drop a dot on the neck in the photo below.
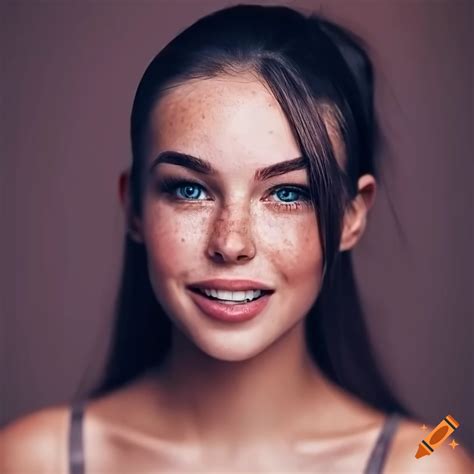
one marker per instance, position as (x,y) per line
(247,400)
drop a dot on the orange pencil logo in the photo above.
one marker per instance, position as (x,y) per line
(437,437)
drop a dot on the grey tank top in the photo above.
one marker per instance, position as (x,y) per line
(76,446)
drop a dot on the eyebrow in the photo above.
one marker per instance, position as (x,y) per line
(204,167)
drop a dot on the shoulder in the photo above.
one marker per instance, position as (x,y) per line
(444,459)
(36,442)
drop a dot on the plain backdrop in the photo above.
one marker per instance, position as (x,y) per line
(70,70)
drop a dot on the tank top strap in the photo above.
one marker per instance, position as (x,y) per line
(76,442)
(379,452)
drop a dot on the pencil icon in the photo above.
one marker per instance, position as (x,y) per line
(444,429)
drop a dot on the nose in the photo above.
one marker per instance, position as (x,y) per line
(231,238)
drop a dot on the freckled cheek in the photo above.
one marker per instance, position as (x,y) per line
(295,239)
(173,240)
(294,248)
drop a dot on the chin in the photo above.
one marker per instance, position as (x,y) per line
(230,347)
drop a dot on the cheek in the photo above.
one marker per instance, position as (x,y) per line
(294,247)
(174,241)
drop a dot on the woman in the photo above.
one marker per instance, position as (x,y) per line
(239,342)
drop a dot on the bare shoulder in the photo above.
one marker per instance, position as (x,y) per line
(36,442)
(401,457)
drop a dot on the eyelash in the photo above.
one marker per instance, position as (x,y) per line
(169,185)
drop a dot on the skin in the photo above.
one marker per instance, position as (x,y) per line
(237,127)
(230,397)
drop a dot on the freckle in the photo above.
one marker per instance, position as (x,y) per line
(270,132)
(203,116)
(182,240)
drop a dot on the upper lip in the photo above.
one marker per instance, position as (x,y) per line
(230,285)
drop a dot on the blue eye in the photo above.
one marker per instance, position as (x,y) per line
(190,190)
(286,193)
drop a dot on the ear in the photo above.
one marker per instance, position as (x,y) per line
(355,219)
(134,225)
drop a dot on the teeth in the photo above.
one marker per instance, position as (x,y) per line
(250,296)
(232,295)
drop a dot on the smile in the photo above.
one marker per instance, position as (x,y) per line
(231,306)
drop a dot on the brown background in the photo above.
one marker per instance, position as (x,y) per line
(70,71)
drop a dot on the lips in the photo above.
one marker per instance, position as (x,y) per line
(229,312)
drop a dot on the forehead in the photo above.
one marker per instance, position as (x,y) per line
(232,118)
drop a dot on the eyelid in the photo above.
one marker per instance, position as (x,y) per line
(303,188)
(180,180)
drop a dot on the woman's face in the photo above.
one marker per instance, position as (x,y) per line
(228,225)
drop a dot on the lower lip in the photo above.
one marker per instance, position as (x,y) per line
(232,313)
